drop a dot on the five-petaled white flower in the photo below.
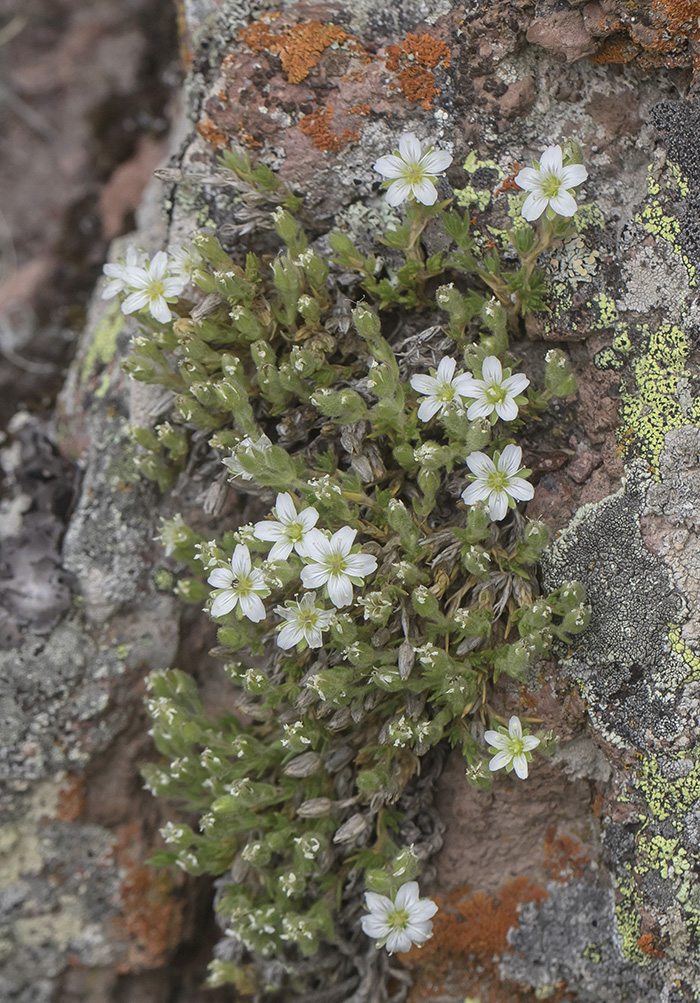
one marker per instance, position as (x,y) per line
(242,584)
(400,924)
(512,748)
(290,531)
(412,171)
(550,184)
(305,622)
(495,391)
(331,564)
(440,389)
(117,272)
(499,484)
(152,287)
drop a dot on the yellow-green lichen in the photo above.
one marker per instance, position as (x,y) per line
(669,797)
(666,856)
(660,224)
(681,648)
(627,917)
(650,404)
(472,194)
(103,346)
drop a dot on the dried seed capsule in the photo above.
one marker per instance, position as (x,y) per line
(351,829)
(315,808)
(304,765)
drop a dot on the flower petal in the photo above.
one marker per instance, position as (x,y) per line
(425,191)
(515,385)
(360,564)
(290,635)
(281,550)
(479,409)
(533,207)
(221,578)
(500,760)
(308,517)
(550,161)
(269,531)
(425,384)
(390,166)
(573,175)
(398,192)
(253,607)
(410,147)
(159,310)
(564,204)
(136,301)
(339,589)
(520,766)
(528,179)
(480,464)
(398,940)
(491,370)
(530,742)
(498,505)
(436,161)
(515,728)
(159,265)
(380,905)
(342,540)
(423,910)
(446,369)
(476,492)
(496,739)
(507,410)
(224,603)
(429,408)
(373,926)
(240,561)
(511,459)
(406,895)
(313,576)
(285,507)
(520,489)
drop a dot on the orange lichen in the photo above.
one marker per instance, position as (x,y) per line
(359,109)
(647,946)
(508,185)
(564,858)
(477,925)
(151,917)
(210,133)
(412,60)
(70,803)
(675,25)
(299,46)
(317,125)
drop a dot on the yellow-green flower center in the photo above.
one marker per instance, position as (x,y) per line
(446,392)
(398,919)
(497,480)
(495,394)
(336,564)
(156,289)
(551,184)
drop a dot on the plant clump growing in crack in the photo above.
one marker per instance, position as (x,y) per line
(366,617)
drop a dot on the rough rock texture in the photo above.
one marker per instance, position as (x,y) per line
(584,885)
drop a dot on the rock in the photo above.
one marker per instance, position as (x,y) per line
(564,34)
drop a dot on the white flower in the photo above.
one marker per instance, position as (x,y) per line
(152,287)
(412,171)
(513,750)
(440,389)
(290,531)
(117,272)
(331,564)
(242,584)
(305,622)
(499,483)
(185,261)
(495,391)
(400,924)
(247,446)
(549,185)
